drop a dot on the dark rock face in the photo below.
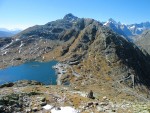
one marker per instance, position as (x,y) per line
(4,41)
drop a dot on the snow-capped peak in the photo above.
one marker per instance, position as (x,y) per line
(106,23)
(127,30)
(112,21)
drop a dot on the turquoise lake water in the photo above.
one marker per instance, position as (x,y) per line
(39,71)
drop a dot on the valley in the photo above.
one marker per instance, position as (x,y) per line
(91,57)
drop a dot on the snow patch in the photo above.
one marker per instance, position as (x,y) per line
(132,27)
(21,44)
(105,24)
(17,39)
(140,29)
(66,109)
(47,107)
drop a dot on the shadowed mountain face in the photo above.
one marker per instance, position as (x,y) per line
(97,53)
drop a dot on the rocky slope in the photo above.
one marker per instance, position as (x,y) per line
(143,40)
(31,98)
(94,55)
(5,41)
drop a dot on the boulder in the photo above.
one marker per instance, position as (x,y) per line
(90,95)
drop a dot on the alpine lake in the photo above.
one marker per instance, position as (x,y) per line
(33,70)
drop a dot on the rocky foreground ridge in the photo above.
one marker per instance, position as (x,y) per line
(30,98)
(105,62)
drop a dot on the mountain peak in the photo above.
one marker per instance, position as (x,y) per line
(112,21)
(70,16)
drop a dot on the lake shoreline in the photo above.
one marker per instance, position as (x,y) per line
(59,68)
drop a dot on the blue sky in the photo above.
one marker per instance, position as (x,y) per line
(25,13)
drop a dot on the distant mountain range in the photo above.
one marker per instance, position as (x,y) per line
(8,33)
(127,31)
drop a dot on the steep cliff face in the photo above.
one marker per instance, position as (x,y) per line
(95,52)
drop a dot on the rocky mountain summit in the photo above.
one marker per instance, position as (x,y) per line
(118,27)
(94,57)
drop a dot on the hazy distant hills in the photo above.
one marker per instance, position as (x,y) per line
(128,31)
(8,33)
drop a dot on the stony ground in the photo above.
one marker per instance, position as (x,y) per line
(32,99)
